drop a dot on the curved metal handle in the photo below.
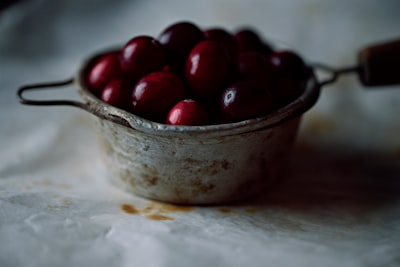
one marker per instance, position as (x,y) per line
(335,73)
(378,65)
(91,109)
(26,101)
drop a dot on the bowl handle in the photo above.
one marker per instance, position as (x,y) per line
(378,65)
(60,84)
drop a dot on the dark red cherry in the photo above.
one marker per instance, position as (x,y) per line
(155,94)
(245,100)
(142,55)
(207,68)
(179,39)
(248,40)
(104,70)
(187,112)
(118,93)
(253,66)
(288,65)
(224,38)
(287,90)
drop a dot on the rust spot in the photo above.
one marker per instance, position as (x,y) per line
(202,188)
(208,167)
(159,217)
(225,165)
(129,209)
(150,175)
(150,180)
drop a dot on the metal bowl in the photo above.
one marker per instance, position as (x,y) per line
(210,164)
(197,164)
(216,163)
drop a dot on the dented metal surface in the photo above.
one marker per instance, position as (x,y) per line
(197,164)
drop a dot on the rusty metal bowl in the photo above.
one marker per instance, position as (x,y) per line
(210,164)
(197,164)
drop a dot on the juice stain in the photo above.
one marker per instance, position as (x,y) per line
(155,211)
(159,217)
(129,209)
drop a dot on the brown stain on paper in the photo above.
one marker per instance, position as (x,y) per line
(129,209)
(155,211)
(159,217)
(161,211)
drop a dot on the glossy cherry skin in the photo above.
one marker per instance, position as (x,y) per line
(187,112)
(142,55)
(248,40)
(179,39)
(224,38)
(118,93)
(288,65)
(245,100)
(104,70)
(155,94)
(207,68)
(287,90)
(253,66)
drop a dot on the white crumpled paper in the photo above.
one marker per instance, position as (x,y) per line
(338,207)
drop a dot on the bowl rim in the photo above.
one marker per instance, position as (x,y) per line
(127,119)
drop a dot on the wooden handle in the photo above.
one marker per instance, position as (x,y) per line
(380,64)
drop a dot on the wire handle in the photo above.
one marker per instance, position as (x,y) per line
(335,73)
(60,84)
(47,85)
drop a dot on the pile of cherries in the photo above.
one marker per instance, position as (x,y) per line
(190,76)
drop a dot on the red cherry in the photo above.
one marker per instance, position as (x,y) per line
(248,40)
(105,69)
(117,93)
(155,94)
(224,38)
(179,39)
(253,66)
(288,65)
(207,68)
(245,100)
(142,55)
(187,112)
